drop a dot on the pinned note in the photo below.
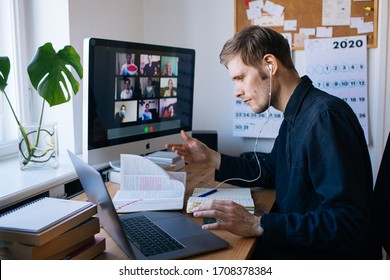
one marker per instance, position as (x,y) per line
(273,9)
(324,32)
(365,27)
(290,25)
(254,10)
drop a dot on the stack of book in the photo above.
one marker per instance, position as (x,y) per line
(51,228)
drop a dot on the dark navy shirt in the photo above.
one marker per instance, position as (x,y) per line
(321,170)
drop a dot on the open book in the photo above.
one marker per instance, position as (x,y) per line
(239,195)
(144,186)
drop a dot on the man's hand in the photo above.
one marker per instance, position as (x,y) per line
(194,151)
(234,218)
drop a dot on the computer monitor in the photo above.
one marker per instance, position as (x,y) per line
(137,97)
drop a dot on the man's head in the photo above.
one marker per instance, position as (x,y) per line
(253,56)
(127,83)
(128,58)
(169,67)
(123,110)
(252,43)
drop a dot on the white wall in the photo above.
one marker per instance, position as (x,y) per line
(205,26)
(117,19)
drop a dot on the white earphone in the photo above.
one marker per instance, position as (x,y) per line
(270,67)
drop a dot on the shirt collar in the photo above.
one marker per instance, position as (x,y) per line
(296,99)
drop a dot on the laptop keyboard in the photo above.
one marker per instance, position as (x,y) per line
(148,237)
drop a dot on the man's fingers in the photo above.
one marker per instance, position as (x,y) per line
(213,208)
(220,205)
(184,135)
(213,226)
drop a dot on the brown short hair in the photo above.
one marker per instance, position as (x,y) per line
(253,42)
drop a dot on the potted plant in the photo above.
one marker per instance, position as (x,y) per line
(49,73)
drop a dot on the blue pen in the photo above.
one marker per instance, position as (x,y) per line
(208,193)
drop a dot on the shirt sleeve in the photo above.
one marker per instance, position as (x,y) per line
(245,172)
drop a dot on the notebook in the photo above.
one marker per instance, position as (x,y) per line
(241,196)
(40,214)
(189,237)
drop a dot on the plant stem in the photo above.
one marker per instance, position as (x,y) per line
(12,109)
(21,128)
(30,149)
(39,128)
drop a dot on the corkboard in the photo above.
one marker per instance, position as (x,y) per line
(308,14)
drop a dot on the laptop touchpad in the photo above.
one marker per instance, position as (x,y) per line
(180,227)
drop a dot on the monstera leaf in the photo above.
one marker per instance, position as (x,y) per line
(49,73)
(4,72)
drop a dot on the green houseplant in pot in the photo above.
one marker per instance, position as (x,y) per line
(50,76)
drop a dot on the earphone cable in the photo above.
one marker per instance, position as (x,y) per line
(256,142)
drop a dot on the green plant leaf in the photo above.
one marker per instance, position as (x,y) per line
(48,69)
(5,66)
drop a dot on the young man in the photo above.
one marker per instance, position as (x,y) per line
(319,165)
(127,92)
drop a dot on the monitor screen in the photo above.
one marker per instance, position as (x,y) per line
(137,97)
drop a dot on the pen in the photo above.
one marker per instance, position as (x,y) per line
(208,193)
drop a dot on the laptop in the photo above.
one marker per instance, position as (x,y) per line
(176,235)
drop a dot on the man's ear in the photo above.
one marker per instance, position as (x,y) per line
(270,62)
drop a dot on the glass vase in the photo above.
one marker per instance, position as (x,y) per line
(38,147)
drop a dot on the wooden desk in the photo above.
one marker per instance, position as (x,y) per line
(201,176)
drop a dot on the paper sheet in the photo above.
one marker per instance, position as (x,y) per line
(336,12)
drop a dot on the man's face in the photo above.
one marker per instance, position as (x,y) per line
(128,59)
(250,86)
(123,110)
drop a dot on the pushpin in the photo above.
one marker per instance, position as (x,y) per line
(368,8)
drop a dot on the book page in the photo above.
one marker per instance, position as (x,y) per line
(137,165)
(146,186)
(141,174)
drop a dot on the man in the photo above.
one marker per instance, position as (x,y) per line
(149,90)
(147,115)
(319,165)
(121,115)
(149,67)
(167,69)
(127,92)
(124,69)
